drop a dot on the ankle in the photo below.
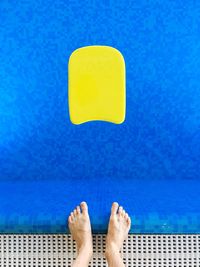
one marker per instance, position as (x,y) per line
(86,248)
(111,250)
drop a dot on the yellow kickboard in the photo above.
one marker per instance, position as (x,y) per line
(96,85)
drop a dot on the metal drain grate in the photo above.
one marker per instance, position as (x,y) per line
(138,251)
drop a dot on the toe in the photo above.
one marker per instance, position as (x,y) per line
(75,212)
(78,210)
(129,221)
(123,213)
(126,216)
(120,211)
(84,207)
(70,219)
(114,208)
(72,216)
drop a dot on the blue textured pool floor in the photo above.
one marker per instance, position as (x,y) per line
(150,163)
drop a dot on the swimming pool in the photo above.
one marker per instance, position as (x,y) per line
(150,163)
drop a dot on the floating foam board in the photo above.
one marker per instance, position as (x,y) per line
(96,85)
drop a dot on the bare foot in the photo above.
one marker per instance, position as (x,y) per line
(119,226)
(80,228)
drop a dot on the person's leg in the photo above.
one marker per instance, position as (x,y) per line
(80,228)
(119,226)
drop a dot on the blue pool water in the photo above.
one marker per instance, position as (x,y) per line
(150,163)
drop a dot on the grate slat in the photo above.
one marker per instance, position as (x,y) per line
(138,251)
